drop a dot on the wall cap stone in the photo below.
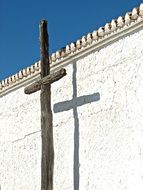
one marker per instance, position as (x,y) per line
(117,28)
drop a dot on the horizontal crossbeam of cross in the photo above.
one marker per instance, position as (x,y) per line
(46,80)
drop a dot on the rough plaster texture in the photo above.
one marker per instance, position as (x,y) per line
(98,121)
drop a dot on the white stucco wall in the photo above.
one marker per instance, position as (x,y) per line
(98,124)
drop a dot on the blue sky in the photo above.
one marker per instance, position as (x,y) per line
(67,20)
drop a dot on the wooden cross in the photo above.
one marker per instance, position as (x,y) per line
(44,84)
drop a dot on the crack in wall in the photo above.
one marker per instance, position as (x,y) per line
(25,136)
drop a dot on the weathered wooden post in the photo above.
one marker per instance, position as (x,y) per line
(47,161)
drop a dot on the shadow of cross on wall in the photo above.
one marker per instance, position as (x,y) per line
(73,104)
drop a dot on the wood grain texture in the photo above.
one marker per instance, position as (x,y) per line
(47,161)
(46,81)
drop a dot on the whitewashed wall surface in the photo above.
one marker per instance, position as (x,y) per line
(98,124)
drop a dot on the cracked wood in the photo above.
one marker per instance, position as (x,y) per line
(46,80)
(47,161)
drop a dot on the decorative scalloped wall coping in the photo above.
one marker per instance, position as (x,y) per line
(110,29)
